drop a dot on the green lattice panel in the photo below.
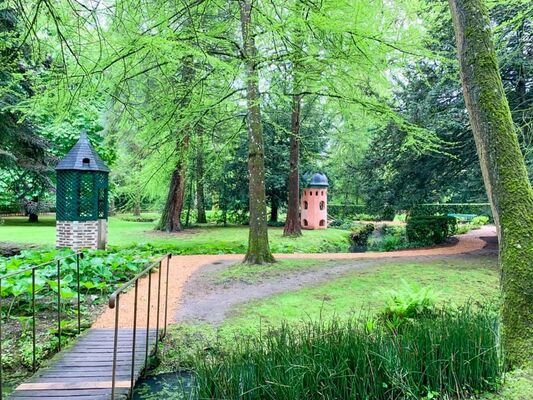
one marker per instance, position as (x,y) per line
(81,196)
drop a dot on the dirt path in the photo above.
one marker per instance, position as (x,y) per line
(182,268)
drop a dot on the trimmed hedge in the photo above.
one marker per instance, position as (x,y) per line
(430,229)
(345,210)
(451,208)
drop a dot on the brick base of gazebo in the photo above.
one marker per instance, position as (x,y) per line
(81,234)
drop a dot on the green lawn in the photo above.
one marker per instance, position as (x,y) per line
(456,281)
(205,239)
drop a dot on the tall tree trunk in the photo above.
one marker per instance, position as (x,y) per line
(32,215)
(274,209)
(292,223)
(258,246)
(137,205)
(200,195)
(504,173)
(171,215)
(170,220)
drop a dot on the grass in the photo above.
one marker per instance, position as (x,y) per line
(204,239)
(448,355)
(456,281)
(518,385)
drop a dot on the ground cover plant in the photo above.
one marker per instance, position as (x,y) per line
(100,273)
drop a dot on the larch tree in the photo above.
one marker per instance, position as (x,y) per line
(504,172)
(292,222)
(258,246)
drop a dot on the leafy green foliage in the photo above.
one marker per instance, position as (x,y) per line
(430,229)
(100,272)
(411,301)
(360,235)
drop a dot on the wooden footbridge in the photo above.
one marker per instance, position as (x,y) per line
(104,364)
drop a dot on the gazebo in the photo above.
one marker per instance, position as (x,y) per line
(82,198)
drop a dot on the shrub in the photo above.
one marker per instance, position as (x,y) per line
(430,229)
(392,242)
(452,353)
(359,237)
(480,220)
(387,214)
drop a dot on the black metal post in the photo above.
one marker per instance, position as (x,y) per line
(158,305)
(34,361)
(148,316)
(134,337)
(166,294)
(115,346)
(59,303)
(79,295)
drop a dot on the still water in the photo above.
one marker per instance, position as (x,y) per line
(171,386)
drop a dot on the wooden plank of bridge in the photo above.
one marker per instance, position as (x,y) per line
(84,370)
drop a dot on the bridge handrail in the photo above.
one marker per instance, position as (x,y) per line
(78,256)
(114,303)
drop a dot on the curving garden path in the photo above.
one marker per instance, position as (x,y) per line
(182,269)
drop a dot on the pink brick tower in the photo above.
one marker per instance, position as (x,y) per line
(314,203)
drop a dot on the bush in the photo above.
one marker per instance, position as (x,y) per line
(387,214)
(452,353)
(480,220)
(430,229)
(359,237)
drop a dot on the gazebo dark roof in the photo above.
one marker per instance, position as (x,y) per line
(318,181)
(82,151)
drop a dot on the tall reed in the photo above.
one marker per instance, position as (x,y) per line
(452,353)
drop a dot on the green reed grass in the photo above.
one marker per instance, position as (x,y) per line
(452,353)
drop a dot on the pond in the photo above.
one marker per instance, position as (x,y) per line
(168,386)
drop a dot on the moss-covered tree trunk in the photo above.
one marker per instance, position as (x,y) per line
(258,246)
(504,173)
(292,223)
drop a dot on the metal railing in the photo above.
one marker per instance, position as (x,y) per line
(114,303)
(33,269)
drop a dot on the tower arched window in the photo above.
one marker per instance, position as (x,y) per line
(321,205)
(306,205)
